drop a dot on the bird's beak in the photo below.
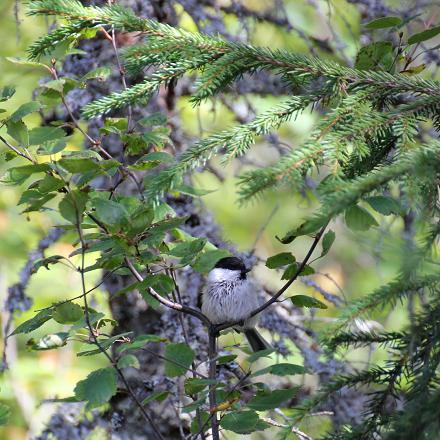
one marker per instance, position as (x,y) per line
(247,270)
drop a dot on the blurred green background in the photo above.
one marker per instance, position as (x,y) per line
(355,265)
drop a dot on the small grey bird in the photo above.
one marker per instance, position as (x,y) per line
(230,296)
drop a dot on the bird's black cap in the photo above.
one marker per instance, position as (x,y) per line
(232,263)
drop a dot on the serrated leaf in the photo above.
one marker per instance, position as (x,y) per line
(279,260)
(264,401)
(98,387)
(424,35)
(188,250)
(359,219)
(79,164)
(243,422)
(383,22)
(73,205)
(40,135)
(33,323)
(24,110)
(207,260)
(50,183)
(307,301)
(6,93)
(110,212)
(327,242)
(18,131)
(128,360)
(179,358)
(67,313)
(282,369)
(384,205)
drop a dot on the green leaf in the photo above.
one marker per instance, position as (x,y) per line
(194,385)
(161,283)
(98,387)
(384,22)
(264,401)
(6,93)
(44,262)
(375,56)
(424,35)
(327,242)
(128,360)
(40,135)
(18,131)
(282,369)
(78,164)
(67,313)
(49,342)
(243,422)
(157,396)
(152,160)
(180,358)
(50,183)
(25,62)
(20,174)
(59,86)
(140,341)
(307,301)
(141,219)
(35,322)
(52,147)
(110,212)
(226,358)
(279,260)
(100,73)
(188,250)
(114,125)
(259,354)
(207,260)
(24,110)
(384,205)
(73,205)
(5,414)
(305,229)
(359,219)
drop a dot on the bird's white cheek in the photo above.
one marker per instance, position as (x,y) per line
(219,275)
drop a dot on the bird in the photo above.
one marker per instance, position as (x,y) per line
(229,296)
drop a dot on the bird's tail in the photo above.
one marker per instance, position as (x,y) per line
(256,341)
